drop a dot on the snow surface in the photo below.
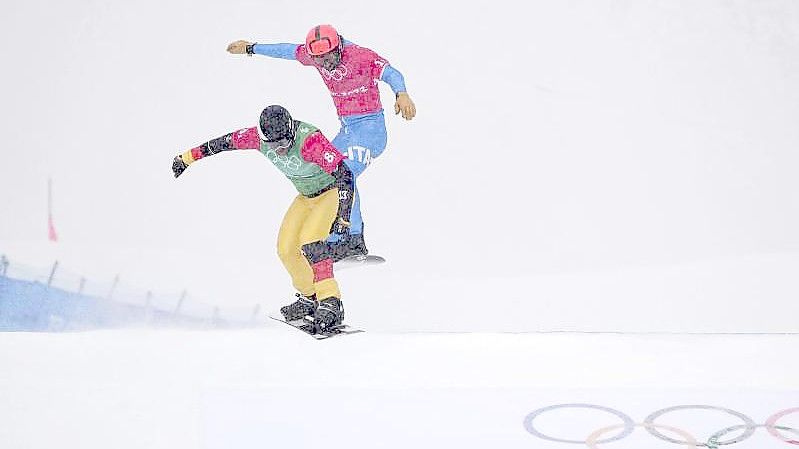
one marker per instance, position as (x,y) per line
(279,388)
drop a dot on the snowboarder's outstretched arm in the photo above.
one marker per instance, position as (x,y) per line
(243,139)
(282,51)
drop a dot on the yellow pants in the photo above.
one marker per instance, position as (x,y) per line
(308,221)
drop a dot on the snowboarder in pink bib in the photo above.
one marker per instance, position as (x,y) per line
(351,74)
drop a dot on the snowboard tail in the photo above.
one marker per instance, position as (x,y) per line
(358,261)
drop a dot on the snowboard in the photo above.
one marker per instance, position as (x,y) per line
(358,261)
(306,325)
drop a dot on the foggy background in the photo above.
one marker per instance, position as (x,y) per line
(622,165)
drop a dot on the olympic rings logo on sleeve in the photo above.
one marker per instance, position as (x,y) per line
(628,425)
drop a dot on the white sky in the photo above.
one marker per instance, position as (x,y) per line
(571,137)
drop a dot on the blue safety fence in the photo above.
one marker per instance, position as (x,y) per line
(39,300)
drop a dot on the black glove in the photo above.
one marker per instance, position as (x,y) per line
(178,166)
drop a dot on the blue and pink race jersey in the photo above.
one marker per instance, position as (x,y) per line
(353,84)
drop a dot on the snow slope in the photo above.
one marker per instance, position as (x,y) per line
(275,387)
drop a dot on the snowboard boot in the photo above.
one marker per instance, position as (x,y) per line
(350,245)
(299,309)
(329,315)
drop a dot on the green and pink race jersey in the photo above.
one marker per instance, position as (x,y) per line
(308,163)
(353,84)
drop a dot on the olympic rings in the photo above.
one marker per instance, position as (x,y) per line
(628,426)
(772,428)
(592,439)
(336,74)
(750,424)
(713,443)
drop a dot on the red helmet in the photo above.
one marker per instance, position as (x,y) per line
(322,39)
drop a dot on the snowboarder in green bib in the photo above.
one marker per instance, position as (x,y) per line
(323,206)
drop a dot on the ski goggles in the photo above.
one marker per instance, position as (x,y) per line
(280,144)
(320,46)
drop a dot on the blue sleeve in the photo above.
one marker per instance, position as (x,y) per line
(282,51)
(394,79)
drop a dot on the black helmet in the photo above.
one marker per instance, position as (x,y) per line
(276,124)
